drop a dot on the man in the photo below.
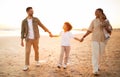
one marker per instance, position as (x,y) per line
(30,31)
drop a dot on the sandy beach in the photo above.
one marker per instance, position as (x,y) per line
(12,58)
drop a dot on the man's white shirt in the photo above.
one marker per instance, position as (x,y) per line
(30,27)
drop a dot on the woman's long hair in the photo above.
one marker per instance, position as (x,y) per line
(101,10)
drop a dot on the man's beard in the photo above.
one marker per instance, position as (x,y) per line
(31,15)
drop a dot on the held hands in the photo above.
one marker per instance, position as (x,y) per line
(80,40)
(50,34)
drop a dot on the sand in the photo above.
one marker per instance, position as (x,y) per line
(12,58)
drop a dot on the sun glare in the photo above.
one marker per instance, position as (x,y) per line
(53,13)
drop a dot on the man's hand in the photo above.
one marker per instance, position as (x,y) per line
(50,34)
(22,43)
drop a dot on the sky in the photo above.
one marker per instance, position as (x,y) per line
(53,13)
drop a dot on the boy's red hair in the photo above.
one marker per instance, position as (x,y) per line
(68,25)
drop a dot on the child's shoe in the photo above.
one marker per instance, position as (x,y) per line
(64,66)
(37,63)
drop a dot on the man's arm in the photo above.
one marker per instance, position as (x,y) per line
(43,27)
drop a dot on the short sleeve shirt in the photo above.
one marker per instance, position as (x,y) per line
(97,30)
(65,38)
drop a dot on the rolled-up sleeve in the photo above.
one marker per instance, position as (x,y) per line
(42,26)
(91,27)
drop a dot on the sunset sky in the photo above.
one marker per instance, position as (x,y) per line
(53,13)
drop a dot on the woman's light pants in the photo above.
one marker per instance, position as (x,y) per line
(98,49)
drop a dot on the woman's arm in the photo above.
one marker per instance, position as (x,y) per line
(90,29)
(86,34)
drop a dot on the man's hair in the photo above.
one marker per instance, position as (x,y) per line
(68,25)
(28,8)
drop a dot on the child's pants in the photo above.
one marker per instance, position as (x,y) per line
(98,49)
(29,43)
(65,50)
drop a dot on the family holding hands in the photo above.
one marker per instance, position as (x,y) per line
(99,27)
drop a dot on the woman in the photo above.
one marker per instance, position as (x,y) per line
(98,40)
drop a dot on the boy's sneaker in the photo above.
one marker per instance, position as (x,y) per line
(25,68)
(37,63)
(59,65)
(64,66)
